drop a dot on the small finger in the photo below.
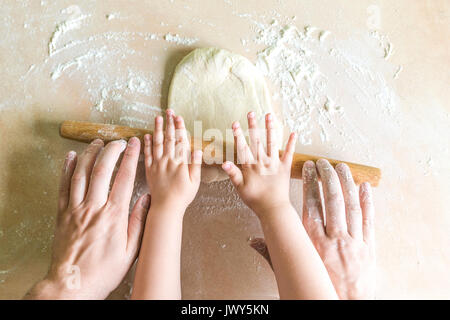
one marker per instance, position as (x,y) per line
(255,141)
(102,172)
(334,200)
(123,186)
(82,174)
(351,199)
(368,212)
(290,149)
(158,139)
(244,154)
(312,202)
(136,224)
(182,145)
(270,136)
(169,139)
(148,154)
(64,183)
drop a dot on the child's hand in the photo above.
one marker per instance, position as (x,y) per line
(173,185)
(346,242)
(173,182)
(263,180)
(96,240)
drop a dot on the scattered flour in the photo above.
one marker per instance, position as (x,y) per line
(72,23)
(180,40)
(308,67)
(399,69)
(383,43)
(118,96)
(303,63)
(78,61)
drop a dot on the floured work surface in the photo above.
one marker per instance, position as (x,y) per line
(362,84)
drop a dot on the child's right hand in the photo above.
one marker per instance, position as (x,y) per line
(172,181)
(263,181)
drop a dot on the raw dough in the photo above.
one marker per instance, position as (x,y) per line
(218,87)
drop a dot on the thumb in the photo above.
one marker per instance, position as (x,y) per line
(234,173)
(136,224)
(260,246)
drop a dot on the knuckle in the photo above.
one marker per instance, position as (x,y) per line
(130,152)
(91,150)
(100,170)
(334,231)
(158,139)
(77,177)
(368,222)
(180,140)
(125,172)
(334,198)
(138,218)
(246,165)
(353,207)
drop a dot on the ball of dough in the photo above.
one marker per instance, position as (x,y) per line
(218,87)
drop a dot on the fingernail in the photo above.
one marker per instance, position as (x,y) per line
(365,192)
(71,155)
(251,114)
(269,116)
(366,187)
(97,141)
(132,141)
(309,164)
(322,162)
(309,170)
(146,202)
(226,166)
(123,144)
(158,119)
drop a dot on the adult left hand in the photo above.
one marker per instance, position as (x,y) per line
(96,240)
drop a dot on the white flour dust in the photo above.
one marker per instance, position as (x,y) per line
(179,40)
(74,22)
(117,96)
(308,66)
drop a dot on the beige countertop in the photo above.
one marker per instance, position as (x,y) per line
(381,65)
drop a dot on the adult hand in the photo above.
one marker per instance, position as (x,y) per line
(96,240)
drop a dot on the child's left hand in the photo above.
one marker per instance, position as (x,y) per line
(173,182)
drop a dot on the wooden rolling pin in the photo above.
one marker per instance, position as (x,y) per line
(87,132)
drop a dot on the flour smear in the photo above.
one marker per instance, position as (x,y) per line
(309,67)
